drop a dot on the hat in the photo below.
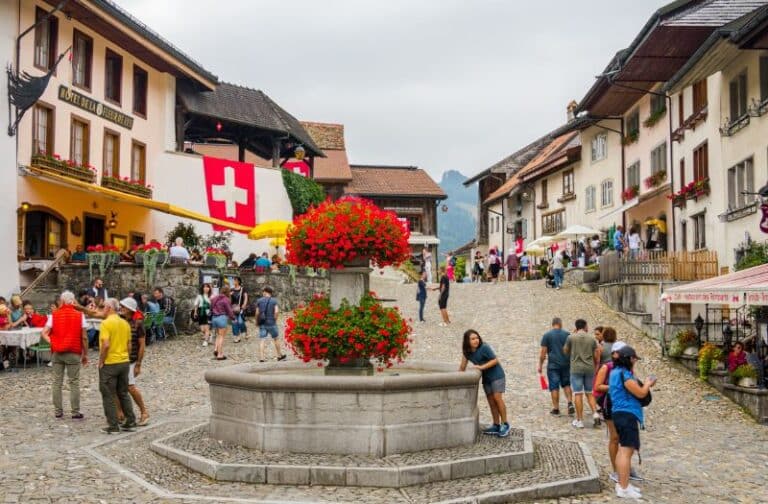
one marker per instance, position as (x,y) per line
(129,303)
(617,345)
(628,351)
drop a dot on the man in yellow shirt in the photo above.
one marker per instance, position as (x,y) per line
(114,362)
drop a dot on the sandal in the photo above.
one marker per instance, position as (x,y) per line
(224,357)
(143,421)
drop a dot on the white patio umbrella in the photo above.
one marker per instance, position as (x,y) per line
(575,232)
(535,250)
(543,241)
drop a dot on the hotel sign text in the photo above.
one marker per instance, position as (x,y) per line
(94,107)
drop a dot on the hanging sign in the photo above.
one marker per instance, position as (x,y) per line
(94,107)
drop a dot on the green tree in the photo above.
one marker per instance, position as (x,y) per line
(302,191)
(187,233)
(754,255)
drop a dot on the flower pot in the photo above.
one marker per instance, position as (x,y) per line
(210,261)
(691,351)
(747,382)
(138,258)
(352,367)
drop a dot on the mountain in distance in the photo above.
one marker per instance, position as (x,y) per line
(458,225)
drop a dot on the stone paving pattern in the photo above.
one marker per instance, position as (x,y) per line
(697,446)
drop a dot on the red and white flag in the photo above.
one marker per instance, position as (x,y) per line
(230,187)
(300,167)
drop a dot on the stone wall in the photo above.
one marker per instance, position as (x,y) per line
(182,282)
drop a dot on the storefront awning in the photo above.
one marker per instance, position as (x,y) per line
(746,287)
(267,230)
(623,208)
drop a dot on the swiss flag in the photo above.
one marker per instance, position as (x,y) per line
(230,187)
(300,167)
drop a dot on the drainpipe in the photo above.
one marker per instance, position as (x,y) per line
(671,171)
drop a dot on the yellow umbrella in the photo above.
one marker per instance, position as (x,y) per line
(270,229)
(277,242)
(660,224)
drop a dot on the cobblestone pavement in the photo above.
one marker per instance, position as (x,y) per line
(698,446)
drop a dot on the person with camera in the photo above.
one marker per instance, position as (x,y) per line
(266,318)
(628,397)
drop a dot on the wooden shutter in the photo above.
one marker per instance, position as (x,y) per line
(764,78)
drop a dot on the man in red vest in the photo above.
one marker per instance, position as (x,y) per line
(66,332)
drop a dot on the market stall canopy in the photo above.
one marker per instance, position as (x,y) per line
(746,287)
(576,231)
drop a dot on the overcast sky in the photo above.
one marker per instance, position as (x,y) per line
(441,84)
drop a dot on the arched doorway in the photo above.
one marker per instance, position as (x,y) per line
(45,232)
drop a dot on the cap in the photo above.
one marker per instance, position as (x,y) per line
(129,303)
(628,351)
(618,345)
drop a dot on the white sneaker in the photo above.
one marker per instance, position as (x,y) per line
(443,324)
(205,342)
(578,424)
(615,478)
(596,420)
(627,493)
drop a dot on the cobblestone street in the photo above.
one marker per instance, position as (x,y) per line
(697,447)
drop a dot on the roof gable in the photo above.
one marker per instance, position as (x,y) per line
(393,181)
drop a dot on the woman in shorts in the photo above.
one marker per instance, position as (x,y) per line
(494,380)
(221,315)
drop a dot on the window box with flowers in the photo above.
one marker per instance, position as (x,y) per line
(677,199)
(656,179)
(128,186)
(54,164)
(150,255)
(630,193)
(103,257)
(655,117)
(631,137)
(692,190)
(216,257)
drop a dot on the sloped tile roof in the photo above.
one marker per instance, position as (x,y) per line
(326,135)
(329,137)
(397,181)
(246,106)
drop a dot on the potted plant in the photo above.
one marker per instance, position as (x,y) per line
(102,256)
(744,376)
(350,336)
(351,326)
(215,257)
(683,343)
(154,253)
(630,193)
(655,180)
(709,355)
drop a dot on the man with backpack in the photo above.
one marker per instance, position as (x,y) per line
(266,318)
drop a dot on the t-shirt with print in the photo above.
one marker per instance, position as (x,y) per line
(483,354)
(581,347)
(554,340)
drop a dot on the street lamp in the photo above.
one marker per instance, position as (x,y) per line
(698,323)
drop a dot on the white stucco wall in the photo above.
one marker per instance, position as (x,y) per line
(182,182)
(496,235)
(593,173)
(9,270)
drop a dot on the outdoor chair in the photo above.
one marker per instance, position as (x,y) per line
(157,325)
(170,321)
(149,334)
(38,348)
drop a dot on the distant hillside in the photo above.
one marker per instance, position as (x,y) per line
(458,225)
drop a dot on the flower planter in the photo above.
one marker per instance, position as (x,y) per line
(351,367)
(691,351)
(210,261)
(62,168)
(138,258)
(126,187)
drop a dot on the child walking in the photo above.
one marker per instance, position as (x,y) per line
(494,380)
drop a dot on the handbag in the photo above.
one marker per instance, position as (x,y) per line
(193,315)
(644,401)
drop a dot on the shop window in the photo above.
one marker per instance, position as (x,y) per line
(44,234)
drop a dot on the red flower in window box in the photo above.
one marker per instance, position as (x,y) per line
(339,232)
(630,193)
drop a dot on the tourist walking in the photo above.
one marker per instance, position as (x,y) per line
(221,314)
(558,365)
(114,368)
(131,313)
(65,331)
(494,380)
(558,270)
(618,240)
(267,312)
(202,312)
(442,302)
(525,266)
(608,335)
(478,268)
(239,299)
(450,265)
(634,242)
(494,265)
(512,265)
(584,353)
(421,295)
(626,393)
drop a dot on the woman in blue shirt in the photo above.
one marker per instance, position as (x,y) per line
(421,294)
(627,412)
(494,379)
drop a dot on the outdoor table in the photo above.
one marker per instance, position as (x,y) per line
(22,338)
(93,323)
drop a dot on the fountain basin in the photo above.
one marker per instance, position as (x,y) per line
(294,407)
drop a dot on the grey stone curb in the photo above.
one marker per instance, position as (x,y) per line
(589,484)
(389,477)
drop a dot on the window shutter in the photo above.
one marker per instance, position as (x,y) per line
(731,188)
(734,99)
(764,78)
(740,183)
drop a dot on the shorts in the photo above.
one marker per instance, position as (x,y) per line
(495,268)
(442,302)
(495,387)
(558,377)
(219,321)
(131,376)
(268,330)
(581,383)
(204,320)
(523,269)
(628,429)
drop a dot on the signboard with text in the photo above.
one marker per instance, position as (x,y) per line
(94,107)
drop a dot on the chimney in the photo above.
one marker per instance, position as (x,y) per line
(571,111)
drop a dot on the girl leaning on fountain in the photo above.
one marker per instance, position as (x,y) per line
(494,380)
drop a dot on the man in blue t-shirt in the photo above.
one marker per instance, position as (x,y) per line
(263,261)
(618,239)
(558,365)
(266,318)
